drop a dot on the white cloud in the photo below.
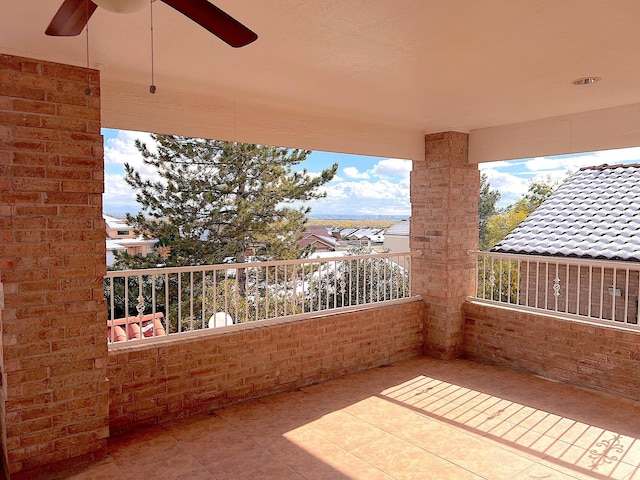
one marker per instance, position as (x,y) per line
(122,149)
(550,164)
(511,187)
(118,197)
(365,197)
(514,184)
(391,167)
(353,172)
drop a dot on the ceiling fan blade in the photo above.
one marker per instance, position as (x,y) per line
(71,18)
(221,24)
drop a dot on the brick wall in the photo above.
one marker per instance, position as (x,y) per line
(444,226)
(584,354)
(176,377)
(53,359)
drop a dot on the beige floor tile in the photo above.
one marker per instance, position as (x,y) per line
(315,457)
(422,418)
(346,431)
(487,459)
(105,469)
(603,458)
(538,472)
(217,445)
(526,442)
(634,474)
(258,464)
(199,474)
(403,460)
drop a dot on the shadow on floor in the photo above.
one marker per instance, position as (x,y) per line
(422,418)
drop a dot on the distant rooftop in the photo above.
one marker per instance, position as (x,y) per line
(594,214)
(114,222)
(400,228)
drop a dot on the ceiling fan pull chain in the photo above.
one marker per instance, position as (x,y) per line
(152,88)
(87,91)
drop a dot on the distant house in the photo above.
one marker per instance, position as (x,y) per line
(121,237)
(358,236)
(595,214)
(319,238)
(396,238)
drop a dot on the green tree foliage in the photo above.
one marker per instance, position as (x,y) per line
(486,208)
(500,224)
(539,191)
(221,200)
(499,279)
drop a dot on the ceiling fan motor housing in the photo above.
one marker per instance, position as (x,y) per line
(122,6)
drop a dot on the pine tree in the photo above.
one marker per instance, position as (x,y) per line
(221,200)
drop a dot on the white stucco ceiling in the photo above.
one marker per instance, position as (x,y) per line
(365,76)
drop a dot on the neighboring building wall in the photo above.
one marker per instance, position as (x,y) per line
(580,353)
(115,233)
(396,243)
(185,375)
(54,396)
(445,190)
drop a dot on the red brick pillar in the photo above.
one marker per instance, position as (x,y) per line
(444,226)
(54,395)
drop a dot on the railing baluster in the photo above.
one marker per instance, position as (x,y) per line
(637,322)
(519,268)
(203,310)
(590,290)
(613,294)
(546,285)
(303,286)
(501,273)
(602,287)
(566,290)
(537,282)
(526,293)
(558,278)
(179,302)
(191,295)
(335,282)
(578,275)
(126,300)
(626,296)
(167,312)
(112,304)
(492,279)
(509,268)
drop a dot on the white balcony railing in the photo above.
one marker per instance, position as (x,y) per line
(602,291)
(160,301)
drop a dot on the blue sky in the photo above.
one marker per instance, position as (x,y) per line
(363,185)
(512,178)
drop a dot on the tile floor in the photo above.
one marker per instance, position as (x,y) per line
(418,419)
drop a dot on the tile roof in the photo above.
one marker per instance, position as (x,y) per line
(400,228)
(594,214)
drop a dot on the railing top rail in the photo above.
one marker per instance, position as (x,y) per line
(272,263)
(560,260)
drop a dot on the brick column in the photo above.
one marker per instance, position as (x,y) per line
(54,395)
(444,225)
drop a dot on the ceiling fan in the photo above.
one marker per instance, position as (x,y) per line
(73,15)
